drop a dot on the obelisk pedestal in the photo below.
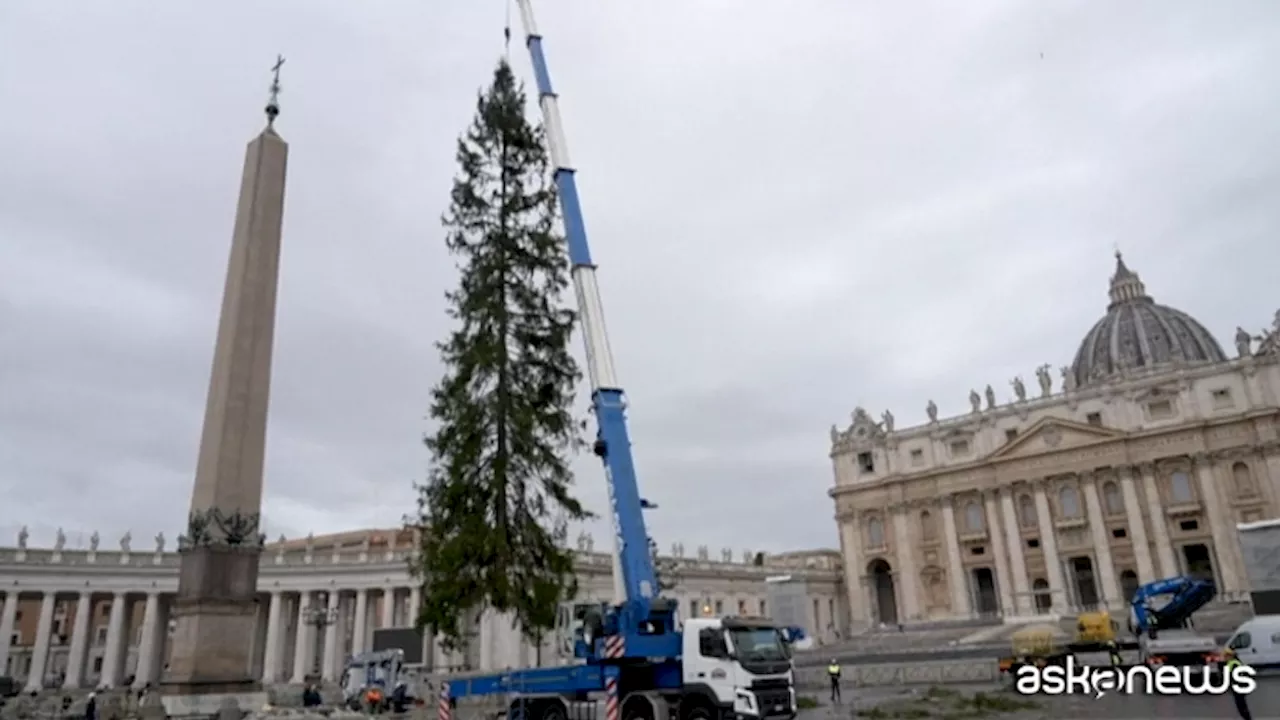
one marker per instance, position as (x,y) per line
(217,603)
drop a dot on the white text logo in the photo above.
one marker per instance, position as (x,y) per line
(1073,679)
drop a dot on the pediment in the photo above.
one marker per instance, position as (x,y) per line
(1052,435)
(1153,393)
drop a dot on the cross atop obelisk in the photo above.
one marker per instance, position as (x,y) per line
(273,101)
(216,605)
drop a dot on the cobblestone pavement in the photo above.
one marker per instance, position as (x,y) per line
(1264,703)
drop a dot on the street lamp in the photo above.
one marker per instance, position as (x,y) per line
(319,616)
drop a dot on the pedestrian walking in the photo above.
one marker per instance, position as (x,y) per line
(833,672)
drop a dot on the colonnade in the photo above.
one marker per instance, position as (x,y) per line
(74,670)
(299,635)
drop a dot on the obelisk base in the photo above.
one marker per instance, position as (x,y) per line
(215,613)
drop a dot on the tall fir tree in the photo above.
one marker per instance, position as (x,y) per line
(494,509)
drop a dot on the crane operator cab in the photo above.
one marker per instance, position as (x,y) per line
(738,666)
(577,624)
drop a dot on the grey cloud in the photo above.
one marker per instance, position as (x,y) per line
(795,210)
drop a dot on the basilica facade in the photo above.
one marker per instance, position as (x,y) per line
(1136,466)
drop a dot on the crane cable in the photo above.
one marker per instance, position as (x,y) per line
(506,34)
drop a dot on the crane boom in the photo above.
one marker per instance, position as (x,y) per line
(635,579)
(640,624)
(637,658)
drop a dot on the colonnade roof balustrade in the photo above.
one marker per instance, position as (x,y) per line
(286,568)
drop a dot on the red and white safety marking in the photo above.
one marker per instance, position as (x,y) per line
(611,699)
(446,711)
(614,646)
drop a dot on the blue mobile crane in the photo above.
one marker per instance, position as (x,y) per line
(1188,594)
(634,654)
(1165,633)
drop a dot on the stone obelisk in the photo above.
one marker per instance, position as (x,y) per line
(216,605)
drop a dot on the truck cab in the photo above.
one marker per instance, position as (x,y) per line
(736,667)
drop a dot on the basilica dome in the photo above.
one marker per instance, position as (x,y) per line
(1136,334)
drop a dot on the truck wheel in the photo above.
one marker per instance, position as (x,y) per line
(699,711)
(553,710)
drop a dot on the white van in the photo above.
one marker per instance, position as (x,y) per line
(1257,641)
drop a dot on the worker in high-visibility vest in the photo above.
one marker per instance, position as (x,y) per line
(1232,662)
(1114,651)
(373,699)
(833,672)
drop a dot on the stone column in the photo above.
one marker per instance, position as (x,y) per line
(1159,526)
(302,647)
(79,643)
(955,566)
(112,671)
(1017,561)
(163,646)
(146,672)
(359,641)
(991,501)
(332,653)
(487,622)
(271,649)
(440,659)
(851,547)
(1137,528)
(388,608)
(40,653)
(411,619)
(1222,525)
(415,602)
(1101,543)
(8,617)
(1271,465)
(1049,546)
(908,575)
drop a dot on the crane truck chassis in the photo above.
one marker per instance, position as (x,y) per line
(730,667)
(634,653)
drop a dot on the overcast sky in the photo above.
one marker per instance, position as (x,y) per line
(797,208)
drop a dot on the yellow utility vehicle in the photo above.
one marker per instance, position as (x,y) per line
(1038,645)
(1098,632)
(1095,636)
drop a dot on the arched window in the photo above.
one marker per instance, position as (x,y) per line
(927,532)
(875,532)
(1112,499)
(1069,500)
(1180,487)
(1026,512)
(1128,584)
(1044,600)
(973,517)
(1242,479)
